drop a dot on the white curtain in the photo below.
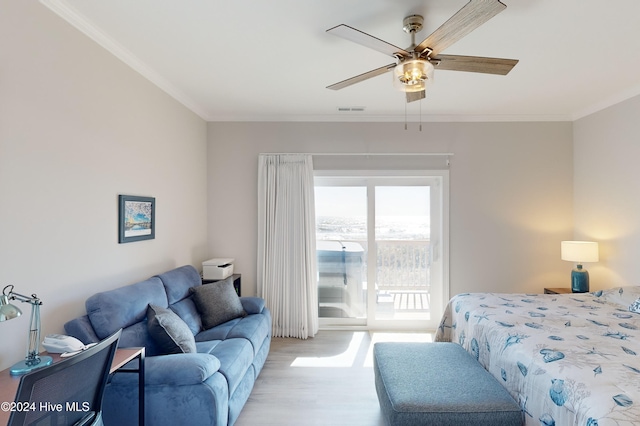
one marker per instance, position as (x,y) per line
(287,277)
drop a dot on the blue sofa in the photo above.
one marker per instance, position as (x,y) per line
(209,387)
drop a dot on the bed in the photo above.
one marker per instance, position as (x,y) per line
(568,359)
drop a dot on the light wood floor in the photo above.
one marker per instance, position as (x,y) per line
(326,380)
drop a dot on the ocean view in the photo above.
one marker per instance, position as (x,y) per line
(401,228)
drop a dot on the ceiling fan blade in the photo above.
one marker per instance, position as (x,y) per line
(415,96)
(474,64)
(362,77)
(367,40)
(467,19)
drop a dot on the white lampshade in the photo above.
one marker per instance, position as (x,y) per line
(579,251)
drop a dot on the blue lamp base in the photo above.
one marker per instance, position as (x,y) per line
(26,366)
(579,280)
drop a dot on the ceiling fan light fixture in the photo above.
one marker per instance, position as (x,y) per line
(412,75)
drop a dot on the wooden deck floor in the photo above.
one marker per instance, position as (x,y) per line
(406,300)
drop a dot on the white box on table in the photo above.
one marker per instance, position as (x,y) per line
(217,269)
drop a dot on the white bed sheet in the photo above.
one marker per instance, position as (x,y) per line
(570,359)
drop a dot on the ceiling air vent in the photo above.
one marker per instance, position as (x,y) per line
(351,109)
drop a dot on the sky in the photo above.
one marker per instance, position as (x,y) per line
(390,201)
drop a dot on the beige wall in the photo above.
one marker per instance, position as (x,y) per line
(607,191)
(511,192)
(77,128)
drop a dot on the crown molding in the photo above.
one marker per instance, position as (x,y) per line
(606,103)
(370,118)
(82,24)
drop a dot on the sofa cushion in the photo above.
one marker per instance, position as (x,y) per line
(236,357)
(177,282)
(112,310)
(206,347)
(252,305)
(173,369)
(169,331)
(254,328)
(217,303)
(186,310)
(137,335)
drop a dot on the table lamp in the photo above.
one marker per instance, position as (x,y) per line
(580,252)
(8,311)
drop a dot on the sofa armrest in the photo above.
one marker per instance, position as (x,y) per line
(173,370)
(81,329)
(252,305)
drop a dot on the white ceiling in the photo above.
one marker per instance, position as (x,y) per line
(258,60)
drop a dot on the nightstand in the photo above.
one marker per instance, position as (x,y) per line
(557,290)
(237,282)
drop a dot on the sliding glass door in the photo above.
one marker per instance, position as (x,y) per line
(402,243)
(380,250)
(341,234)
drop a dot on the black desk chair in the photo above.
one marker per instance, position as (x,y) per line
(68,392)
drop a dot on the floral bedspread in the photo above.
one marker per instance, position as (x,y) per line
(568,359)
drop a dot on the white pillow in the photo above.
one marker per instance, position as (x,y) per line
(624,296)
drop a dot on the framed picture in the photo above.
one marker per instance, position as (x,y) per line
(137,219)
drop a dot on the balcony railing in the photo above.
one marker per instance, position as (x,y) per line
(403,265)
(402,281)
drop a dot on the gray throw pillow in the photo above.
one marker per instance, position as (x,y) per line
(217,303)
(167,329)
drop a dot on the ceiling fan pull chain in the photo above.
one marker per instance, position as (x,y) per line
(420,114)
(405,116)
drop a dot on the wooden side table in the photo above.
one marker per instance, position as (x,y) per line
(237,282)
(557,290)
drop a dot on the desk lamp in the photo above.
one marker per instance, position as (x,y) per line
(9,311)
(580,252)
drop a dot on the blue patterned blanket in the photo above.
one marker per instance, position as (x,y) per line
(568,359)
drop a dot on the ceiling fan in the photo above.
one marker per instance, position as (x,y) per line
(414,66)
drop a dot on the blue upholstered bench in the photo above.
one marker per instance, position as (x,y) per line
(439,384)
